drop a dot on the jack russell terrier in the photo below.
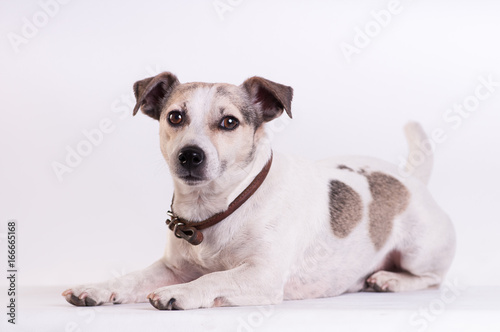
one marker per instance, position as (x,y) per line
(251,227)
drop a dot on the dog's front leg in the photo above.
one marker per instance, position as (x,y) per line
(132,287)
(244,285)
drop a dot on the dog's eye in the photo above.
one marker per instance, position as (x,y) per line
(229,123)
(175,118)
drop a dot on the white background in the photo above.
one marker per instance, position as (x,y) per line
(106,217)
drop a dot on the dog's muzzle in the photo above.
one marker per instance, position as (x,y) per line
(191,165)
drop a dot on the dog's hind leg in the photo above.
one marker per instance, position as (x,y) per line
(423,260)
(426,235)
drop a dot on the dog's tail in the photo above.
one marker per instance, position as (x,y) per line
(420,157)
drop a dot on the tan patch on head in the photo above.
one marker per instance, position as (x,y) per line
(184,92)
(346,209)
(389,199)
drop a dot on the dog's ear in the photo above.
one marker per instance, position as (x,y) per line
(269,98)
(152,92)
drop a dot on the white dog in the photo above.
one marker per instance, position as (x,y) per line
(249,227)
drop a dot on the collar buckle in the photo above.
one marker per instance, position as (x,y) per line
(182,231)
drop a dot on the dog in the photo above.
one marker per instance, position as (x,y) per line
(248,226)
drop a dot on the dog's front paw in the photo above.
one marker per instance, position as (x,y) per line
(89,296)
(180,297)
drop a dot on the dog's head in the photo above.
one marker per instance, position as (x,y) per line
(207,129)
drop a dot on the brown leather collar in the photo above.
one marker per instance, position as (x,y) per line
(190,230)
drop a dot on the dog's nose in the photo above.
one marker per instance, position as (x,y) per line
(191,157)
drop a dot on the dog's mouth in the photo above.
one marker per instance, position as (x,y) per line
(191,179)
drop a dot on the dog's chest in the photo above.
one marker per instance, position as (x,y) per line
(214,254)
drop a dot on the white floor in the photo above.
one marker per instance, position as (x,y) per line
(447,309)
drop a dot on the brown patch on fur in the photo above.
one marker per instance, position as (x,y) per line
(342,167)
(346,209)
(389,198)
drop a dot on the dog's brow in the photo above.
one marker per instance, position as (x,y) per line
(222,90)
(193,86)
(238,100)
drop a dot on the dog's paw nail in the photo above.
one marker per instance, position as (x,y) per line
(371,282)
(171,304)
(154,303)
(83,296)
(67,292)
